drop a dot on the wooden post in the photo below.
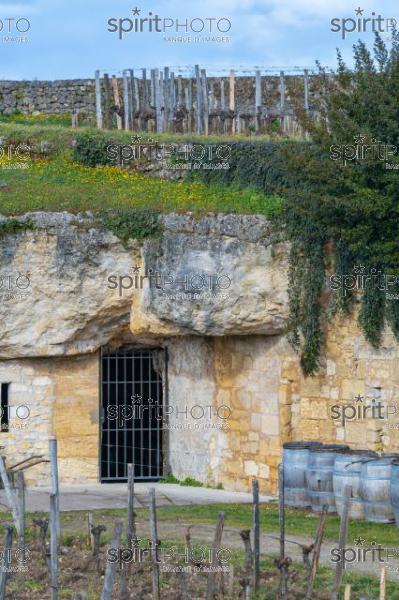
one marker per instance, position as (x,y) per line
(179,91)
(199,99)
(205,100)
(137,102)
(316,552)
(11,498)
(232,101)
(131,526)
(306,86)
(172,93)
(132,105)
(53,547)
(211,583)
(126,107)
(158,111)
(256,526)
(21,500)
(212,99)
(166,97)
(258,99)
(99,114)
(222,95)
(54,482)
(152,87)
(282,92)
(5,566)
(154,545)
(383,584)
(343,528)
(162,101)
(110,569)
(283,568)
(145,89)
(107,102)
(117,101)
(282,101)
(190,106)
(347,593)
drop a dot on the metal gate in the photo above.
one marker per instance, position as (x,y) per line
(131,430)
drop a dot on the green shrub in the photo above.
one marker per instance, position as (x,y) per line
(258,165)
(91,149)
(10,226)
(132,223)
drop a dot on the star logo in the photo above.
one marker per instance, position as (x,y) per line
(359,541)
(135,269)
(136,139)
(359,139)
(359,269)
(136,11)
(137,399)
(359,398)
(359,11)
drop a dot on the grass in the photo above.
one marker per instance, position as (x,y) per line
(299,522)
(62,185)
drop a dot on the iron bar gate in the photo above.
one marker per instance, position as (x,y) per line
(131,413)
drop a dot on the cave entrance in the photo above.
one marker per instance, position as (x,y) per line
(131,413)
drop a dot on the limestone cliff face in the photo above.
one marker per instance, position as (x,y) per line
(68,288)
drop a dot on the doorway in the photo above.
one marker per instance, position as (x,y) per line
(131,413)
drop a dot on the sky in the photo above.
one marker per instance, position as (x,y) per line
(70,38)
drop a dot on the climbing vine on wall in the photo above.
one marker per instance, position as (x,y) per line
(342,214)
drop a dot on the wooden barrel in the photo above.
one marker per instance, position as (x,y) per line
(347,470)
(394,489)
(319,476)
(375,485)
(295,462)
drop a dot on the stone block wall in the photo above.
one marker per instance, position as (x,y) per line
(66,96)
(337,405)
(63,400)
(76,417)
(239,377)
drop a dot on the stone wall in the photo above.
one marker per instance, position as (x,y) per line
(66,96)
(34,97)
(331,407)
(76,417)
(62,396)
(228,351)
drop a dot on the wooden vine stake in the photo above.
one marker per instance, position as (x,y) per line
(283,562)
(54,483)
(21,500)
(383,584)
(99,113)
(316,553)
(211,583)
(110,569)
(5,565)
(117,101)
(342,539)
(256,527)
(53,547)
(154,545)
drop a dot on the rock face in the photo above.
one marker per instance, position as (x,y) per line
(68,288)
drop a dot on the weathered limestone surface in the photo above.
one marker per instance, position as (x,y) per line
(228,356)
(70,308)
